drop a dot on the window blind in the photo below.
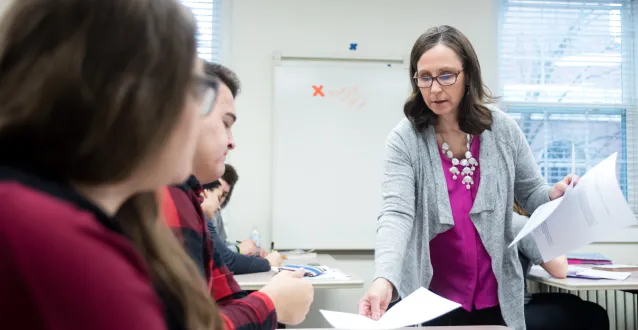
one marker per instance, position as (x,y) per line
(208,25)
(566,71)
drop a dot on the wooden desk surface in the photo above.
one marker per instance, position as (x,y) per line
(257,280)
(537,274)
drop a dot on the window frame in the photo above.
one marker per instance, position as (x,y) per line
(629,135)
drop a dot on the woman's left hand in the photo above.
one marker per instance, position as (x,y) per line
(558,190)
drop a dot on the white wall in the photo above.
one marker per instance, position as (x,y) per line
(3,5)
(380,27)
(256,29)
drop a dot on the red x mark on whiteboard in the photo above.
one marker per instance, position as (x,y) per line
(318,90)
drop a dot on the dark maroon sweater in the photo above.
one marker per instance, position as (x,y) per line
(63,266)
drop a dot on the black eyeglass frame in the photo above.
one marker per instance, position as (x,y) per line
(212,87)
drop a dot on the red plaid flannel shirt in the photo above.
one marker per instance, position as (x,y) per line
(184,215)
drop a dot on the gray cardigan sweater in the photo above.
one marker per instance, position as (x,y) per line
(416,207)
(528,252)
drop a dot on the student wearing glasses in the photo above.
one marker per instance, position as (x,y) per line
(452,169)
(99,108)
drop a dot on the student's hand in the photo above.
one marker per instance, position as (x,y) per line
(211,203)
(291,296)
(376,301)
(556,267)
(274,258)
(558,190)
(262,253)
(248,247)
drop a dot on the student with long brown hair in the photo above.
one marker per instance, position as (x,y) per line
(99,103)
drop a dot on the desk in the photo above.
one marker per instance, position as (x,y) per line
(483,327)
(257,280)
(537,274)
(621,307)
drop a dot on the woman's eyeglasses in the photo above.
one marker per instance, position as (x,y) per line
(206,88)
(446,79)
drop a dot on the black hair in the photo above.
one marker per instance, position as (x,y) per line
(225,75)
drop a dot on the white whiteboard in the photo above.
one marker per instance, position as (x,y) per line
(328,151)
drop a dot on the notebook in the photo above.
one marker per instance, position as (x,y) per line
(587,258)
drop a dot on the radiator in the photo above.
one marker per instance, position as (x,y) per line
(622,307)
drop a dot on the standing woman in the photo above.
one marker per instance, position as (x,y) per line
(99,103)
(452,170)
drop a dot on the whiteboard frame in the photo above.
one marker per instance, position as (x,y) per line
(279,59)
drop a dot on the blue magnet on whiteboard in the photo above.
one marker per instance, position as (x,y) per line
(389,65)
(353,46)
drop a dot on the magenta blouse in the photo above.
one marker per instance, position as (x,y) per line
(462,267)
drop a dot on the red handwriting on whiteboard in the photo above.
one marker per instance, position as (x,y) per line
(349,96)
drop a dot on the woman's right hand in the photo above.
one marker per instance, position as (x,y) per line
(376,301)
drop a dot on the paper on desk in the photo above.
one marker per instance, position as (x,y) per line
(616,266)
(330,274)
(420,306)
(594,274)
(587,212)
(620,276)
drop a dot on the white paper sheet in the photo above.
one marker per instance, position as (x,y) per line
(420,306)
(538,217)
(620,276)
(616,266)
(588,212)
(331,274)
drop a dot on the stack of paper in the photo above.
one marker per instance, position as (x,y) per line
(588,212)
(314,273)
(419,307)
(575,258)
(310,271)
(581,272)
(617,268)
(329,274)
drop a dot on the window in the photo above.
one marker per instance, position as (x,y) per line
(566,74)
(207,15)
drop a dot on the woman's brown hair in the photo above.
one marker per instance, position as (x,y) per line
(474,116)
(88,90)
(519,209)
